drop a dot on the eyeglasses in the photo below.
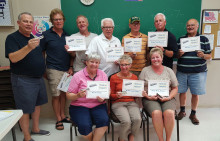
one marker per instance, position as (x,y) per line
(56,20)
(108,27)
(190,25)
(124,65)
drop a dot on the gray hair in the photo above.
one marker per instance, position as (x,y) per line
(158,50)
(83,17)
(107,19)
(164,17)
(24,13)
(125,57)
(93,56)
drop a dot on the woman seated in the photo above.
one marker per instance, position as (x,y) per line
(88,112)
(162,109)
(124,107)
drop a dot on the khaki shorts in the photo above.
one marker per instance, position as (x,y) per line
(54,77)
(151,105)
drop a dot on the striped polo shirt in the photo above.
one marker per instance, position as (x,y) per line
(139,62)
(189,62)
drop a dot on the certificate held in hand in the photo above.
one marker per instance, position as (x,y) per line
(160,87)
(114,53)
(132,87)
(76,43)
(157,39)
(190,44)
(98,88)
(133,44)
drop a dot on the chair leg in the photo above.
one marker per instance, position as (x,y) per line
(112,130)
(144,136)
(106,136)
(177,126)
(148,129)
(71,132)
(75,130)
(13,134)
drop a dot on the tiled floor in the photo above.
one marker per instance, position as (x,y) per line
(208,130)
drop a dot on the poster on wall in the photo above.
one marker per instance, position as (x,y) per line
(210,17)
(5,16)
(41,24)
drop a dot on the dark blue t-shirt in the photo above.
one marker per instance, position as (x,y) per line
(57,56)
(33,64)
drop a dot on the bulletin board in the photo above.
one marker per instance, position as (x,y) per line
(211,27)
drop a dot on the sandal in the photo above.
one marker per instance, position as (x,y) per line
(59,125)
(66,120)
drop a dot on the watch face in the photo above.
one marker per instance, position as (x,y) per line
(87,2)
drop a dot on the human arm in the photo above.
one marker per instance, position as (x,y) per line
(20,54)
(173,93)
(73,96)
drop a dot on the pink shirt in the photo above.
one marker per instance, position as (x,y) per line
(79,82)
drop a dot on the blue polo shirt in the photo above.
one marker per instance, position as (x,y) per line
(189,62)
(57,57)
(33,64)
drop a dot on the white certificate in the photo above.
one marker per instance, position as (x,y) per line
(98,88)
(64,82)
(160,87)
(190,44)
(132,87)
(133,44)
(157,39)
(76,43)
(114,53)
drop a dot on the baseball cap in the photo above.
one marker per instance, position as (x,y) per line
(134,19)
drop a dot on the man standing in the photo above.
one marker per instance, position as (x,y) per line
(192,71)
(27,68)
(139,58)
(80,56)
(100,43)
(171,50)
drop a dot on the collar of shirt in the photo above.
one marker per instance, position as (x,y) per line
(135,36)
(87,74)
(51,30)
(104,38)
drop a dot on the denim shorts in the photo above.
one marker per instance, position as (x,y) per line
(196,82)
(85,117)
(28,92)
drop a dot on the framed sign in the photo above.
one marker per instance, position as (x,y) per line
(5,13)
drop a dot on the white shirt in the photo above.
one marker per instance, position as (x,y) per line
(80,55)
(99,45)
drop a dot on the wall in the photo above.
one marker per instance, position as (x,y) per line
(211,99)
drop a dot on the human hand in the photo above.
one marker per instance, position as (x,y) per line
(180,53)
(100,99)
(81,94)
(119,94)
(70,71)
(200,54)
(160,48)
(33,43)
(163,99)
(133,55)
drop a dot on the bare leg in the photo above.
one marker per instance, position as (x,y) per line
(56,107)
(35,119)
(169,122)
(182,98)
(157,119)
(99,132)
(131,137)
(62,105)
(88,137)
(194,101)
(24,123)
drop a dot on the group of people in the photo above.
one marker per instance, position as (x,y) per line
(26,55)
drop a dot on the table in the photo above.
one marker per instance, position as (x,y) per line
(8,124)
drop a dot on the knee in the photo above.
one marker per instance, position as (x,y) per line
(169,114)
(156,114)
(101,122)
(136,121)
(126,123)
(84,128)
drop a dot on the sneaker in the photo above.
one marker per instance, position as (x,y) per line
(29,140)
(194,119)
(41,132)
(181,115)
